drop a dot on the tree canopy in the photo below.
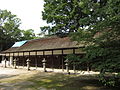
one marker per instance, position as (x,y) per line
(102,34)
(10,31)
(96,22)
(28,34)
(64,15)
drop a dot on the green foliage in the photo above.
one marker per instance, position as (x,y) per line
(64,15)
(102,37)
(111,81)
(28,34)
(9,29)
(94,22)
(73,59)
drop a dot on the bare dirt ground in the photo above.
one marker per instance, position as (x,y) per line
(10,79)
(21,79)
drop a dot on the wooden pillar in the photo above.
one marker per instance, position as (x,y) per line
(88,67)
(9,60)
(18,59)
(62,62)
(43,54)
(29,59)
(74,65)
(5,60)
(13,55)
(29,54)
(52,61)
(59,61)
(3,56)
(23,59)
(36,59)
(13,58)
(73,51)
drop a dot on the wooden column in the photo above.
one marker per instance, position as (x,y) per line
(62,62)
(9,59)
(73,51)
(44,54)
(13,58)
(5,60)
(52,61)
(13,55)
(74,67)
(29,59)
(88,67)
(23,59)
(29,54)
(36,59)
(18,59)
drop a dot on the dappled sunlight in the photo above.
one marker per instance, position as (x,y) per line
(46,80)
(36,80)
(62,81)
(89,88)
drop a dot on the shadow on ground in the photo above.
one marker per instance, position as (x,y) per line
(6,76)
(60,81)
(34,80)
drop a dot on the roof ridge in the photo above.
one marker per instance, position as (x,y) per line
(50,37)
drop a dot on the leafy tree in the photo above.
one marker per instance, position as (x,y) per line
(28,34)
(64,15)
(9,29)
(10,32)
(103,36)
(97,23)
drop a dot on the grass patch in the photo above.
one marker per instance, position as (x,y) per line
(66,82)
(57,81)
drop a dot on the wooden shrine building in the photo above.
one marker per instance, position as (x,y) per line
(53,49)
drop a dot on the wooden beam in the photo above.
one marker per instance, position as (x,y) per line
(68,51)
